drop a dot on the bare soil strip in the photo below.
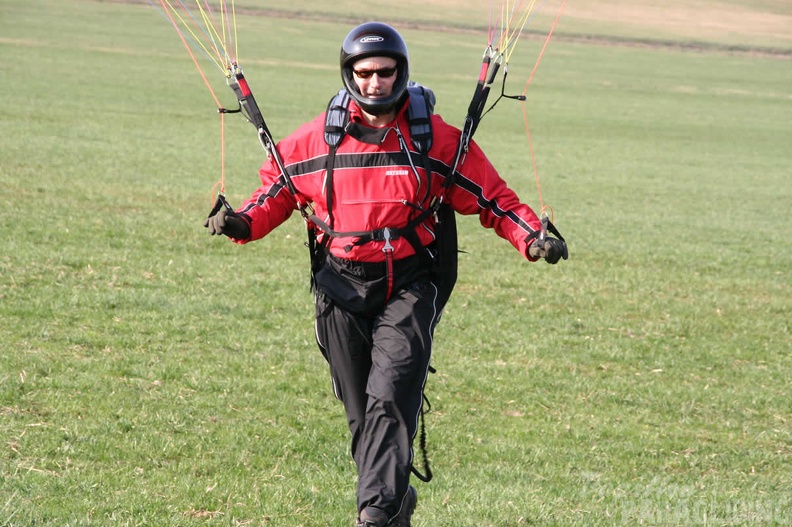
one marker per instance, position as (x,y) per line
(582,12)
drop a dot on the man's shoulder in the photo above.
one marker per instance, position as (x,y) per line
(308,129)
(438,123)
(306,141)
(312,126)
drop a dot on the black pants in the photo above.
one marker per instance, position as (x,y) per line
(379,366)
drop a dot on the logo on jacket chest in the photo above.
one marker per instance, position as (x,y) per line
(397,172)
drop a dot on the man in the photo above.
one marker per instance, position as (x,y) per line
(373,194)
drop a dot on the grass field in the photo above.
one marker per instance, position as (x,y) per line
(152,375)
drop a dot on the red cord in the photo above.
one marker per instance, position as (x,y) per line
(542,207)
(220,183)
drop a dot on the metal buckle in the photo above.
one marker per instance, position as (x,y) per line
(386,235)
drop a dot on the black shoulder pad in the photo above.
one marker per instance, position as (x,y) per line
(419,115)
(337,118)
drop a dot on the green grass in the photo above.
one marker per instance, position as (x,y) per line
(152,375)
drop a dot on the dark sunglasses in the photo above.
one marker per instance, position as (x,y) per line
(384,73)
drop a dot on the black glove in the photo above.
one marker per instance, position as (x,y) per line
(229,223)
(552,251)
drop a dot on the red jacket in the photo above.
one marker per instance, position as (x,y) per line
(374,186)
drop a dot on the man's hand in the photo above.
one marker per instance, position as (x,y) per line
(228,223)
(553,250)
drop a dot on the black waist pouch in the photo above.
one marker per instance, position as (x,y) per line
(361,287)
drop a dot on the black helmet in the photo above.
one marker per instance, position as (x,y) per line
(375,39)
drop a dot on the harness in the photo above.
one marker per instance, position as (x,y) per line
(337,126)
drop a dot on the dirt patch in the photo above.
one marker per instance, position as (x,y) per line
(703,19)
(707,26)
